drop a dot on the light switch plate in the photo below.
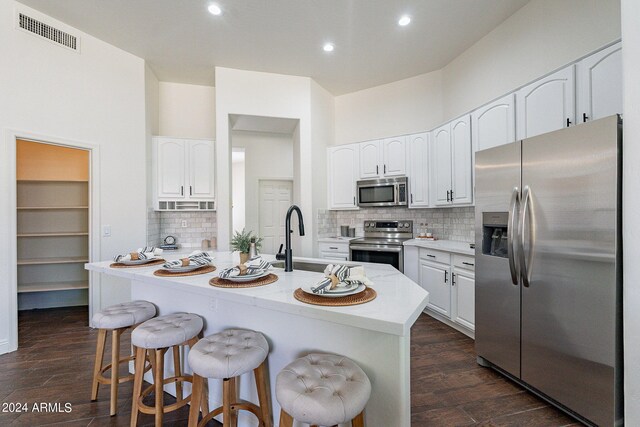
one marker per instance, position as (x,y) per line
(184,223)
(106,231)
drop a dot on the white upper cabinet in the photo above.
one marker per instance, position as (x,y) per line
(201,171)
(547,104)
(461,167)
(451,163)
(599,79)
(495,123)
(383,158)
(184,169)
(394,157)
(418,169)
(343,173)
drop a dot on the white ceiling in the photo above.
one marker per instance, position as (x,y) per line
(183,42)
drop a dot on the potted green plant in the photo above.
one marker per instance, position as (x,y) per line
(241,242)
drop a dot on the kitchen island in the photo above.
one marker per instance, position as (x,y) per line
(376,335)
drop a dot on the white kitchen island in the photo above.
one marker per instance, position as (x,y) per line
(376,335)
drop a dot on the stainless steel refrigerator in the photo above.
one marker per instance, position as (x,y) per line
(549,266)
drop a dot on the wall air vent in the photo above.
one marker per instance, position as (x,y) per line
(50,33)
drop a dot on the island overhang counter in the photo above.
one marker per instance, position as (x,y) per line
(376,335)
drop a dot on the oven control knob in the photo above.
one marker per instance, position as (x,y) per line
(406,225)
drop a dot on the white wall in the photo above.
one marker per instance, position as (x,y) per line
(96,96)
(187,111)
(267,155)
(238,193)
(407,106)
(152,116)
(539,38)
(631,207)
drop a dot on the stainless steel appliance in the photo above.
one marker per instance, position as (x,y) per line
(383,192)
(549,297)
(382,242)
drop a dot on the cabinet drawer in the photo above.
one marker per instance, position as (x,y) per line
(463,261)
(334,256)
(436,256)
(341,248)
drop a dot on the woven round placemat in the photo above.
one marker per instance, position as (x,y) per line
(224,283)
(360,298)
(149,264)
(202,270)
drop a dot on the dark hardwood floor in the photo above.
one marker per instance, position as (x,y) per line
(55,359)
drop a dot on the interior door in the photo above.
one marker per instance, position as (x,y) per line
(201,170)
(275,198)
(370,160)
(441,164)
(435,279)
(497,308)
(418,173)
(394,157)
(171,168)
(571,236)
(495,123)
(600,84)
(461,166)
(547,104)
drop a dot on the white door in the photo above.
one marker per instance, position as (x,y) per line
(275,199)
(171,163)
(370,159)
(494,124)
(441,164)
(547,104)
(201,170)
(464,291)
(418,170)
(461,167)
(342,163)
(600,84)
(432,279)
(394,156)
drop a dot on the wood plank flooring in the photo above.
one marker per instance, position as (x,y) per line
(55,360)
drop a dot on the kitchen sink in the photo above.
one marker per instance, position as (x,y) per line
(301,265)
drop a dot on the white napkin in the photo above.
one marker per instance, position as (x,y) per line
(143,253)
(199,258)
(347,276)
(254,266)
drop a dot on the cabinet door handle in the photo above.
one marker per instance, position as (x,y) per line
(385,168)
(354,200)
(411,198)
(333,247)
(190,190)
(468,263)
(182,190)
(446,276)
(448,195)
(568,122)
(452,195)
(584,117)
(377,170)
(453,279)
(431,256)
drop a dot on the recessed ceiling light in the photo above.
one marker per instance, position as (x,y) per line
(214,9)
(328,47)
(404,21)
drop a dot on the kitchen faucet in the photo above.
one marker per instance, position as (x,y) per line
(288,256)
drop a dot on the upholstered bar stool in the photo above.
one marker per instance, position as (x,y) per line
(156,337)
(116,319)
(322,389)
(226,356)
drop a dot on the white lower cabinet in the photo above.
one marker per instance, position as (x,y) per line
(434,279)
(464,296)
(338,251)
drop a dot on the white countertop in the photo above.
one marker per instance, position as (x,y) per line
(399,303)
(453,246)
(336,239)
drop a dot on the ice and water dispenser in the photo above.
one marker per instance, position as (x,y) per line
(494,234)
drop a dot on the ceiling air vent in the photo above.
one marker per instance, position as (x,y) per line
(53,34)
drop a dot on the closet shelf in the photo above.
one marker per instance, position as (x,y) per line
(52,286)
(52,180)
(54,234)
(50,208)
(44,261)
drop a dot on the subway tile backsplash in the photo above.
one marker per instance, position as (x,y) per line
(200,225)
(444,223)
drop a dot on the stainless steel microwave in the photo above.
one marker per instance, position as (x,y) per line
(383,192)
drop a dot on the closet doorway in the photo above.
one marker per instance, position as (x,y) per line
(52,225)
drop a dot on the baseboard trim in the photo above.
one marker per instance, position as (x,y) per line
(5,347)
(448,322)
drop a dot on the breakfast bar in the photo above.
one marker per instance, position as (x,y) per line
(375,335)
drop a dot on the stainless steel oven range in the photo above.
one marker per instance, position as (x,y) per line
(382,242)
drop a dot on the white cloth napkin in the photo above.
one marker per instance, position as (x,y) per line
(199,258)
(254,266)
(143,253)
(347,276)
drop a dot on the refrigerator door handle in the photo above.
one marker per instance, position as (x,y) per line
(524,268)
(513,223)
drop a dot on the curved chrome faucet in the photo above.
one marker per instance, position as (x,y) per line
(288,255)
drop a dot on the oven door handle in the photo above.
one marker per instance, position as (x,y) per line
(376,248)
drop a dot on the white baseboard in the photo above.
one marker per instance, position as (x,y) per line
(448,322)
(5,347)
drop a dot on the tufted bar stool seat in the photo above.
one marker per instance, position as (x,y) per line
(116,319)
(322,389)
(226,356)
(154,338)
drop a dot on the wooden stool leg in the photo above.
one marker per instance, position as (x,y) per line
(233,419)
(196,397)
(358,421)
(263,394)
(141,354)
(285,419)
(205,396)
(226,402)
(159,383)
(115,364)
(97,366)
(151,354)
(177,370)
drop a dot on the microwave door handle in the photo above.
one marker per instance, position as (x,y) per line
(375,249)
(396,191)
(513,223)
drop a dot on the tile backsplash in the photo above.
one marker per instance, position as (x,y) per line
(444,223)
(200,225)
